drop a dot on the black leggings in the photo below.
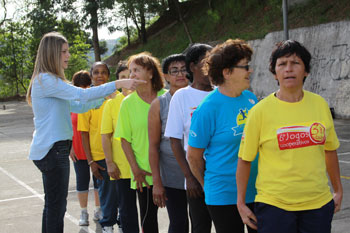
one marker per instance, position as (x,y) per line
(226,218)
(177,210)
(148,211)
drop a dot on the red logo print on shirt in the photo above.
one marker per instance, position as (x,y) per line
(301,136)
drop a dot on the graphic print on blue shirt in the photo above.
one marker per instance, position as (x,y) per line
(217,125)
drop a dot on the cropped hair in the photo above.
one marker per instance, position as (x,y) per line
(193,54)
(287,48)
(223,56)
(121,67)
(81,79)
(48,59)
(170,59)
(150,63)
(99,63)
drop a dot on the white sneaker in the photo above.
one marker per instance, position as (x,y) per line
(107,229)
(84,219)
(97,215)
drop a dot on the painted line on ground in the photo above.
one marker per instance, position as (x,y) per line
(344,140)
(342,161)
(41,197)
(344,153)
(345,177)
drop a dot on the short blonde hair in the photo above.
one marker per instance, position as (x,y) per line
(48,58)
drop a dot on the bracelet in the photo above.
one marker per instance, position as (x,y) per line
(89,163)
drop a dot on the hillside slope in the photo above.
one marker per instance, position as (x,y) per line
(246,19)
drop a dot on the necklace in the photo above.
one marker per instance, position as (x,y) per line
(290,99)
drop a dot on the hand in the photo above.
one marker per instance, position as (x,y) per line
(140,178)
(337,198)
(73,156)
(95,169)
(159,196)
(113,170)
(193,187)
(247,216)
(130,84)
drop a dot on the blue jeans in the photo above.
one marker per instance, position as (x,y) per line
(107,190)
(127,207)
(55,174)
(272,219)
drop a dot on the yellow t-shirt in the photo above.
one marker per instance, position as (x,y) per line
(109,123)
(91,122)
(132,125)
(291,139)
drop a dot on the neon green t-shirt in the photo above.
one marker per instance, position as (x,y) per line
(132,125)
(91,122)
(109,123)
(291,139)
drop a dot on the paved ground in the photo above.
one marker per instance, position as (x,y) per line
(21,192)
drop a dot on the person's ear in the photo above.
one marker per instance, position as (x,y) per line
(192,66)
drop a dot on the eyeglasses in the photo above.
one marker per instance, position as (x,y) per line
(177,72)
(246,67)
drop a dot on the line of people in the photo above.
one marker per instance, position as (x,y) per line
(205,143)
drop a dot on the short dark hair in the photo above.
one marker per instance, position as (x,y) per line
(147,61)
(170,59)
(287,48)
(98,63)
(193,54)
(121,67)
(81,79)
(225,55)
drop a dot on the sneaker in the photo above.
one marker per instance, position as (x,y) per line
(97,215)
(84,219)
(107,229)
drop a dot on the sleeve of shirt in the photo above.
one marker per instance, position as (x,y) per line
(251,137)
(123,129)
(332,142)
(50,86)
(84,121)
(175,122)
(107,119)
(78,107)
(201,128)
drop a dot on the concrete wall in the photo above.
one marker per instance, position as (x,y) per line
(329,45)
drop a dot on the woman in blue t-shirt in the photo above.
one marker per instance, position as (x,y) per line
(216,130)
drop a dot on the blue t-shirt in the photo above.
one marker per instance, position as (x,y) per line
(217,125)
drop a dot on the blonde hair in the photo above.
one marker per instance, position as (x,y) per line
(48,59)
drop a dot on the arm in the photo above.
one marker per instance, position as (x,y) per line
(197,163)
(112,168)
(139,174)
(86,145)
(79,107)
(154,136)
(333,171)
(194,189)
(242,177)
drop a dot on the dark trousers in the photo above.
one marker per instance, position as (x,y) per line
(275,220)
(127,207)
(82,174)
(199,214)
(177,210)
(226,218)
(55,174)
(148,211)
(107,190)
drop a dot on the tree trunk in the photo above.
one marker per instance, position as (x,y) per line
(143,23)
(127,30)
(94,26)
(176,3)
(134,19)
(14,63)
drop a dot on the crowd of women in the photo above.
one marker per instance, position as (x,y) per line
(199,141)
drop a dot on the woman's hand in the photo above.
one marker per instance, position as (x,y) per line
(73,156)
(95,169)
(159,196)
(113,170)
(247,216)
(140,178)
(130,84)
(193,187)
(337,198)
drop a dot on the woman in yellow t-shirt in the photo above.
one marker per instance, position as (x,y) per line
(132,129)
(293,131)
